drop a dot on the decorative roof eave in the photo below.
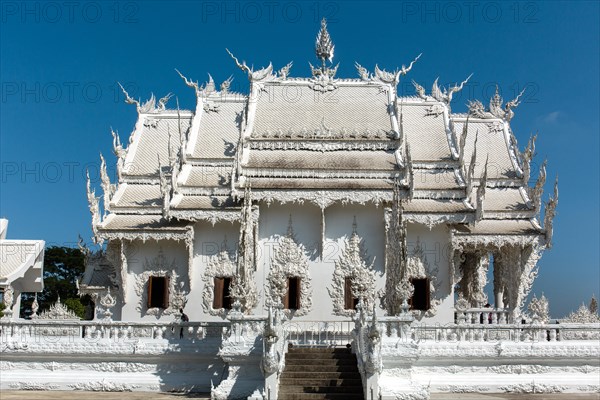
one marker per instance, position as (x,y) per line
(435,164)
(458,194)
(508,214)
(212,216)
(186,235)
(145,210)
(207,162)
(432,219)
(141,179)
(200,191)
(381,140)
(321,174)
(323,198)
(463,241)
(462,117)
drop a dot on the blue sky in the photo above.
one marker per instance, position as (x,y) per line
(60,63)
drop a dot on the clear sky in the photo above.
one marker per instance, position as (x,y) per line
(60,63)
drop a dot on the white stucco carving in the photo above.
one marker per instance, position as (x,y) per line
(353,264)
(289,260)
(221,265)
(418,267)
(160,267)
(58,311)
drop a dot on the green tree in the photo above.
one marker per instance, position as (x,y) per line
(62,268)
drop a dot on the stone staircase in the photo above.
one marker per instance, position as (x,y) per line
(320,373)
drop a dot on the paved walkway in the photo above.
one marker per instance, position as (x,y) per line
(79,395)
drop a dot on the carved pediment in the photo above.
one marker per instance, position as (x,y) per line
(220,265)
(353,264)
(289,261)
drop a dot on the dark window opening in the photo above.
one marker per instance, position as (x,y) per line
(292,297)
(350,302)
(420,298)
(158,292)
(222,298)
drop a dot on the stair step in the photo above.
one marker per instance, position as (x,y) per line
(319,368)
(320,361)
(318,396)
(307,349)
(323,355)
(320,389)
(323,382)
(320,373)
(326,374)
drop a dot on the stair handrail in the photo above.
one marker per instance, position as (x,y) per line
(367,347)
(275,341)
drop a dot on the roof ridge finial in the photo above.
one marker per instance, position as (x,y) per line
(324,45)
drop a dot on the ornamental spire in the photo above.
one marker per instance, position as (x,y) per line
(324,45)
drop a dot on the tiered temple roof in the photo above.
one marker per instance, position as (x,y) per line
(322,139)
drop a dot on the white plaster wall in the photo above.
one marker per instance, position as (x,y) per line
(208,240)
(138,253)
(306,219)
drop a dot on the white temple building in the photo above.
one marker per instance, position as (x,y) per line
(248,195)
(311,214)
(21,269)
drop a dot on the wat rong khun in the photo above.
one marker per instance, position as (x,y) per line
(325,238)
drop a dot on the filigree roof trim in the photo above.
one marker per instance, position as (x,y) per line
(324,136)
(432,219)
(462,241)
(203,191)
(169,114)
(323,198)
(315,173)
(435,165)
(140,179)
(142,210)
(439,194)
(509,214)
(210,216)
(144,236)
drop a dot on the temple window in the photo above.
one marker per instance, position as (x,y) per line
(420,299)
(350,302)
(222,297)
(158,292)
(292,297)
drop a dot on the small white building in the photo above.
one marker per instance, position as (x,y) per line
(21,269)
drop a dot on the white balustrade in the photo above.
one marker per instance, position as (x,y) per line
(488,316)
(331,333)
(315,333)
